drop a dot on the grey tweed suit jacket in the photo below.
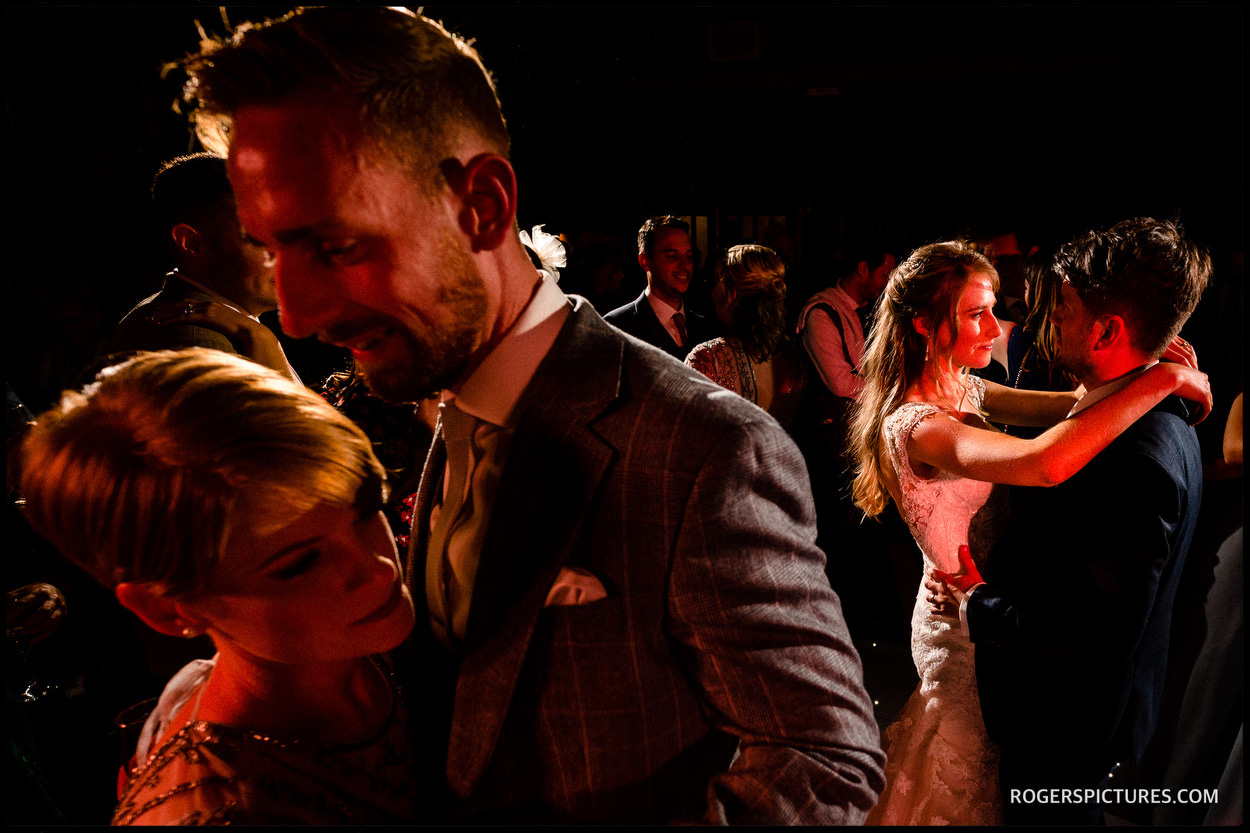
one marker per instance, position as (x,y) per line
(719,637)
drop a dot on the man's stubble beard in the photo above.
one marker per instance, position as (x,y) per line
(432,361)
(1077,366)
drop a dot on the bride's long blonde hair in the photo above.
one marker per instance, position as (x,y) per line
(926,286)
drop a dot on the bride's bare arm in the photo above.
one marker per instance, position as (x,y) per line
(1040,409)
(1061,451)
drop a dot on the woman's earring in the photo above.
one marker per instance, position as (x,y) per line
(926,351)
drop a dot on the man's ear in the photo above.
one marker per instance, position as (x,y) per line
(487,190)
(158,611)
(186,238)
(863,270)
(644,260)
(1110,332)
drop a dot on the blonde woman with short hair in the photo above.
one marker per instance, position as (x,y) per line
(214,496)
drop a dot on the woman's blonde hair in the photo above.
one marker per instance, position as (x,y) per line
(924,286)
(756,276)
(145,475)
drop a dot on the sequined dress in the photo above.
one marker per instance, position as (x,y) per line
(941,766)
(208,773)
(725,362)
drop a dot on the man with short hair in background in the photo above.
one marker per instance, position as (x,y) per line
(660,316)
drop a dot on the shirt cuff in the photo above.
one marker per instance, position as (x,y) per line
(963,608)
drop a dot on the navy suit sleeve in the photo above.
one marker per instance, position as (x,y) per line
(1083,574)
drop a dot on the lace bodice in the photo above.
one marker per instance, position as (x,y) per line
(942,767)
(943,511)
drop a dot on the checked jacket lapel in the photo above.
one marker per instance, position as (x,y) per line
(551,479)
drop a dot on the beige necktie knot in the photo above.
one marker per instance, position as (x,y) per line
(457,525)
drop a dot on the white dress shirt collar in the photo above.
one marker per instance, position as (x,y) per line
(1103,391)
(663,309)
(492,390)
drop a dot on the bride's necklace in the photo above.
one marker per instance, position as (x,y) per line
(1020,369)
(931,390)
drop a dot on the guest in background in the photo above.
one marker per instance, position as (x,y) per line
(597,270)
(1026,350)
(659,315)
(221,280)
(401,433)
(215,496)
(1000,242)
(1198,743)
(832,324)
(757,359)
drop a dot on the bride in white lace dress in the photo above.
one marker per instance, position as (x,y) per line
(921,438)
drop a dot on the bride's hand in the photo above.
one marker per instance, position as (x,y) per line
(941,597)
(958,584)
(1192,385)
(1180,351)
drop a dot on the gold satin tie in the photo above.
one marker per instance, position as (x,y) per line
(457,429)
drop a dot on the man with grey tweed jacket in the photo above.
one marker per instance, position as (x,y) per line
(622,615)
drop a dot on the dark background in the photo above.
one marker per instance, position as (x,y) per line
(917,121)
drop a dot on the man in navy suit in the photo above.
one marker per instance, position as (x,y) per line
(1071,620)
(659,315)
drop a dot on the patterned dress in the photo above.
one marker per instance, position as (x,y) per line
(725,362)
(209,773)
(941,766)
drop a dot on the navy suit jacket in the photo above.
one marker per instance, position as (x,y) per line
(1071,629)
(639,320)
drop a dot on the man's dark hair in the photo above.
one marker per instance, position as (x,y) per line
(1145,270)
(646,234)
(851,250)
(417,85)
(191,189)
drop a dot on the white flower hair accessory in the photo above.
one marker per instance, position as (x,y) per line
(548,249)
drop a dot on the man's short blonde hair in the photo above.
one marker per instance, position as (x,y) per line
(417,84)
